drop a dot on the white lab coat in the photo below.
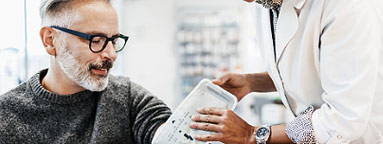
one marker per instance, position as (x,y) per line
(330,55)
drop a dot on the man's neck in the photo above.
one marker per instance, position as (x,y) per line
(57,82)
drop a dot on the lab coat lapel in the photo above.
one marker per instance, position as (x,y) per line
(266,46)
(287,25)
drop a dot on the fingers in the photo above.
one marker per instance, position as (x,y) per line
(212,111)
(211,137)
(206,127)
(207,119)
(223,79)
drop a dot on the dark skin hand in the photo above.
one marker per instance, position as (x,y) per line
(228,127)
(242,84)
(235,84)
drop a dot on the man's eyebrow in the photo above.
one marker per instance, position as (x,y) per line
(100,33)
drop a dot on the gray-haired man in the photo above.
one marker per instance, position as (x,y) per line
(75,101)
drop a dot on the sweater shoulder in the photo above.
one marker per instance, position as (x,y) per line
(123,90)
(119,81)
(10,103)
(14,94)
(124,84)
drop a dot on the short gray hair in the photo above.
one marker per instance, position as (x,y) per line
(59,12)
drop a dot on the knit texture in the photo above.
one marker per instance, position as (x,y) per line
(123,113)
(300,130)
(270,4)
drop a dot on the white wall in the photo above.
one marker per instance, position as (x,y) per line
(149,58)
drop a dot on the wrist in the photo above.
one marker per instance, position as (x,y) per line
(250,79)
(262,134)
(251,139)
(261,82)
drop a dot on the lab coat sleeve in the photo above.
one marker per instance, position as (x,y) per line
(349,49)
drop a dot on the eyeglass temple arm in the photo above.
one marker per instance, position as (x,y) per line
(80,34)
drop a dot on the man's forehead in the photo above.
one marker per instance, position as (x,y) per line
(97,18)
(99,29)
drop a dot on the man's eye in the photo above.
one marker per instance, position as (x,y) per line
(96,41)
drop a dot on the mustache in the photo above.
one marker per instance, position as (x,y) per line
(106,64)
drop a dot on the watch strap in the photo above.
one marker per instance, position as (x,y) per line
(262,139)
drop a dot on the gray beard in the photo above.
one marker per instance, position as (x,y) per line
(269,4)
(80,74)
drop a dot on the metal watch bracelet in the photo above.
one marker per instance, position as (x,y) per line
(262,134)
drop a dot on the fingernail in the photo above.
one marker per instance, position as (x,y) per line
(193,124)
(193,117)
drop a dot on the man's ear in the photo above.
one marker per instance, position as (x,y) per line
(47,36)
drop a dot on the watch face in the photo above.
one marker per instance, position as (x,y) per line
(261,132)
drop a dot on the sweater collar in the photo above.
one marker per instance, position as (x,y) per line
(43,94)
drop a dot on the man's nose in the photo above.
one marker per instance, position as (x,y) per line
(109,52)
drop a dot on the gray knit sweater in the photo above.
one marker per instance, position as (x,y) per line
(123,113)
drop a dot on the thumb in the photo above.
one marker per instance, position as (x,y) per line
(223,79)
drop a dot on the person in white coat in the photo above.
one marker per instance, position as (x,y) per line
(325,59)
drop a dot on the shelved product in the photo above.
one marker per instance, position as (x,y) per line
(207,45)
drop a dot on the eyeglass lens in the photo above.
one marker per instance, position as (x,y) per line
(98,43)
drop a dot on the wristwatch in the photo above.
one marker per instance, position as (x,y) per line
(262,134)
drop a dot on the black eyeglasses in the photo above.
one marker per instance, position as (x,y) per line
(97,43)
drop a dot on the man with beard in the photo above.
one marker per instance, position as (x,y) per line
(325,60)
(76,100)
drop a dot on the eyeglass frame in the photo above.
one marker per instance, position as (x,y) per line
(90,38)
